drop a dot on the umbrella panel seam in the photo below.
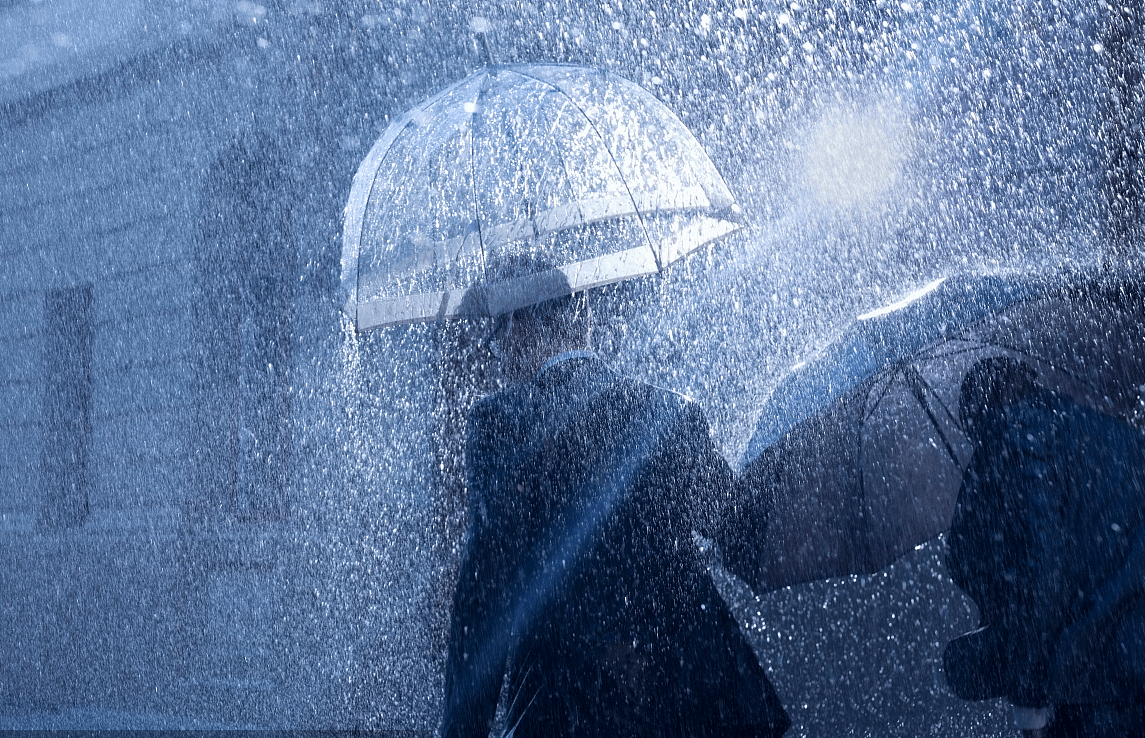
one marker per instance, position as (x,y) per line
(612,158)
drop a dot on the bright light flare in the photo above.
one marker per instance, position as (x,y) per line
(912,297)
(852,160)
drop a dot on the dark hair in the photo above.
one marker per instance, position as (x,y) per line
(563,311)
(561,314)
(992,384)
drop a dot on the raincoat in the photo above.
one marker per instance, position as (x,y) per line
(581,576)
(1048,539)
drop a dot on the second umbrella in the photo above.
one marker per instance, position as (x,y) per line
(858,456)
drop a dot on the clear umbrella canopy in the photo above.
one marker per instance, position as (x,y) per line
(570,163)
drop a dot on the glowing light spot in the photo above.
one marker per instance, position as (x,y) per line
(852,160)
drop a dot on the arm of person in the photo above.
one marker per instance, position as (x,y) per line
(706,475)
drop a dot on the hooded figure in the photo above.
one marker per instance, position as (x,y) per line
(581,579)
(1048,539)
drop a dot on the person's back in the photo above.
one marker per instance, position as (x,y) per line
(580,574)
(1048,538)
(585,484)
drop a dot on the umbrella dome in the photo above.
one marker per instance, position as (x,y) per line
(571,163)
(877,340)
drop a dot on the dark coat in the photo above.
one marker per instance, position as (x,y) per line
(581,575)
(1048,539)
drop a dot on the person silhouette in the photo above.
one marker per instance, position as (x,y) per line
(1048,539)
(581,579)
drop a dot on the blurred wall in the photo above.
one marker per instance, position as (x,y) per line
(174,472)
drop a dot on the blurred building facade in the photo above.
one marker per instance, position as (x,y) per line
(176,522)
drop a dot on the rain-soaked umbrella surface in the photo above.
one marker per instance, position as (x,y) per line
(858,455)
(572,163)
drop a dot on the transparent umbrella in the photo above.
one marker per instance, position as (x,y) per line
(574,164)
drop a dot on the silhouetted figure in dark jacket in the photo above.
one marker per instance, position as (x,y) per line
(1048,538)
(581,579)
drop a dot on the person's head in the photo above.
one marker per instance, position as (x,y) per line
(990,385)
(525,337)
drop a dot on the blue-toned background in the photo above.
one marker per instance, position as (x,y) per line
(220,507)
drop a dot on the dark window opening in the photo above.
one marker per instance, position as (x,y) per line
(245,266)
(66,457)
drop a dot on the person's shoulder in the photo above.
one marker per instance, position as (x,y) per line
(1087,426)
(1032,424)
(495,408)
(1047,422)
(595,382)
(1048,408)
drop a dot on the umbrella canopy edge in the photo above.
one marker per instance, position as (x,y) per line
(360,190)
(490,300)
(809,388)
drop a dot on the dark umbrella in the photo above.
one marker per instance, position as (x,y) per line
(858,456)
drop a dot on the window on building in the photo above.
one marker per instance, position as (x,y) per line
(66,457)
(245,271)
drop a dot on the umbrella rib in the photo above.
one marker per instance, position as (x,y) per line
(930,388)
(882,394)
(916,382)
(620,174)
(473,189)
